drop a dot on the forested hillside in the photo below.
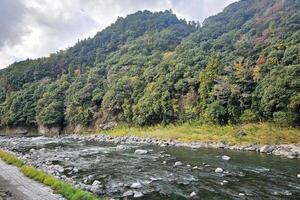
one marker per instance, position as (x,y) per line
(240,66)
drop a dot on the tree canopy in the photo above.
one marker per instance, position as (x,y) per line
(241,65)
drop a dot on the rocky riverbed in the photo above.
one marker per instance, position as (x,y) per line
(144,168)
(291,151)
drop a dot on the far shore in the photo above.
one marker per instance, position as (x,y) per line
(263,137)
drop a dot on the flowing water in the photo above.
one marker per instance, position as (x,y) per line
(248,175)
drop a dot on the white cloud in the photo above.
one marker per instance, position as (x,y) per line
(36,28)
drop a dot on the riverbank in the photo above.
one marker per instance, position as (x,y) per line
(260,133)
(14,170)
(291,151)
(263,137)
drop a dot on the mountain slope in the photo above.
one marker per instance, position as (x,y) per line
(242,65)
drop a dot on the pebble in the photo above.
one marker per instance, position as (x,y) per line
(219,170)
(241,194)
(298,176)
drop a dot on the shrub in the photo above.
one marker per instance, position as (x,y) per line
(248,116)
(216,113)
(284,118)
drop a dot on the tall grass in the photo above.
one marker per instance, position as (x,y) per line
(66,190)
(262,133)
(11,159)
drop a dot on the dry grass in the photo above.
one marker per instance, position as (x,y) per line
(263,133)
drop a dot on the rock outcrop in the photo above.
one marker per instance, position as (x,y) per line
(50,131)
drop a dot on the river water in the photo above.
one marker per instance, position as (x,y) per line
(247,175)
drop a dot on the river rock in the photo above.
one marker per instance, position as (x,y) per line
(128,193)
(266,149)
(298,176)
(121,148)
(155,179)
(96,182)
(219,170)
(32,150)
(193,194)
(75,170)
(140,152)
(90,177)
(95,188)
(224,157)
(178,163)
(58,168)
(137,194)
(136,185)
(224,182)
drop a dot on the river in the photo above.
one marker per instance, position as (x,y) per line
(152,175)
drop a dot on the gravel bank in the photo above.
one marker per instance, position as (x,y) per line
(291,151)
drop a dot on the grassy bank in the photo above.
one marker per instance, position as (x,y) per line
(263,133)
(66,190)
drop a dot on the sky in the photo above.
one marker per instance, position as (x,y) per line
(36,28)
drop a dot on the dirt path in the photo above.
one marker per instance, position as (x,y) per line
(15,186)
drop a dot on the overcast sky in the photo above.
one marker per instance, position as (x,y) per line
(35,28)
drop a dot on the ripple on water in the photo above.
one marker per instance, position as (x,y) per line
(117,167)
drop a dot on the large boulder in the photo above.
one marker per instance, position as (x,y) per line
(266,149)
